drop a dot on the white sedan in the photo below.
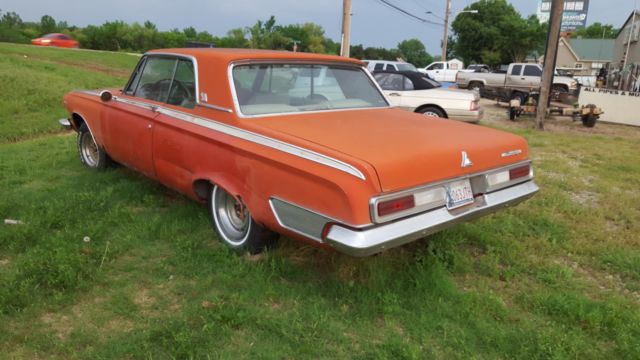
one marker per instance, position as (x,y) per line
(414,91)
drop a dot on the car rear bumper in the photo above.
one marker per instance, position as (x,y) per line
(466,115)
(364,242)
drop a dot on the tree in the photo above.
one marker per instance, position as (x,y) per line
(496,34)
(47,25)
(413,51)
(597,31)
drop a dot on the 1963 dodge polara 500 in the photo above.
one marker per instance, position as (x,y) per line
(298,144)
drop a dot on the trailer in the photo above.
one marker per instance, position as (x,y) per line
(588,114)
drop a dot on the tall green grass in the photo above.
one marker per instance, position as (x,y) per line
(114,265)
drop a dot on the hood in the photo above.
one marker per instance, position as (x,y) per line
(404,148)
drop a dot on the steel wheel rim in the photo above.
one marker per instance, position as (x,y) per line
(231,216)
(89,150)
(431,113)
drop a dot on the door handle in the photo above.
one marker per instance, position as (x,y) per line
(394,94)
(522,78)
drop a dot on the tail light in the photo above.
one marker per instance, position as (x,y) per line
(505,177)
(389,207)
(475,105)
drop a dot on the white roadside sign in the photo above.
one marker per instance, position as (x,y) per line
(620,107)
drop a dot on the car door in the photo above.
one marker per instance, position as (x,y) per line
(128,120)
(437,71)
(515,79)
(531,76)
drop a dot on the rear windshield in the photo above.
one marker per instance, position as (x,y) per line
(263,89)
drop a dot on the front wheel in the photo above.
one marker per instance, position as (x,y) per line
(234,224)
(91,155)
(432,111)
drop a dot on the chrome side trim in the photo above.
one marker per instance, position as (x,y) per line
(299,220)
(215,107)
(303,221)
(264,140)
(236,103)
(141,104)
(373,240)
(88,92)
(478,184)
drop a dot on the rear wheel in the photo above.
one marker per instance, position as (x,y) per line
(556,90)
(432,111)
(91,155)
(589,120)
(234,224)
(476,86)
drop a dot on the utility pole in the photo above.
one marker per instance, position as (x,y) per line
(346,28)
(445,38)
(553,37)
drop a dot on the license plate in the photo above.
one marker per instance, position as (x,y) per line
(459,193)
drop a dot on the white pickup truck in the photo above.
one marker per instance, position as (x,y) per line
(518,80)
(442,71)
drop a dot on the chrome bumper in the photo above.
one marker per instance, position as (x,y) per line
(467,115)
(65,123)
(376,239)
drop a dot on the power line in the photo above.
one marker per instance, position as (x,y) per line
(406,13)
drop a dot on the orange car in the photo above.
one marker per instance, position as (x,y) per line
(297,144)
(57,40)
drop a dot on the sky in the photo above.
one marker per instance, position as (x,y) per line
(372,24)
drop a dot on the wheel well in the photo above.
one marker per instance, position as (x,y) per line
(433,106)
(563,86)
(201,188)
(77,121)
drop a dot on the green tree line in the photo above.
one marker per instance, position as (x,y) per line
(136,37)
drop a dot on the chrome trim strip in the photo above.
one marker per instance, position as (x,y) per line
(88,92)
(263,140)
(373,240)
(141,104)
(303,221)
(478,183)
(236,103)
(215,107)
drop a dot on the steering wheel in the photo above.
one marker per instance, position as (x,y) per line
(317,98)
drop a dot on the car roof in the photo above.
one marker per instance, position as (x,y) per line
(232,55)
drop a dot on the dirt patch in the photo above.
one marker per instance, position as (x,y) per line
(61,325)
(4,262)
(143,299)
(585,198)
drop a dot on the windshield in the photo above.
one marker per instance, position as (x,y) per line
(406,67)
(263,89)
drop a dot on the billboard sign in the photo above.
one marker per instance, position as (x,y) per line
(574,16)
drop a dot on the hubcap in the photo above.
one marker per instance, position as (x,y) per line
(89,150)
(431,113)
(232,217)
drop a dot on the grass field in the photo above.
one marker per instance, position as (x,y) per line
(113,265)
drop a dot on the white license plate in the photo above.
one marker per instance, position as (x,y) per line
(459,193)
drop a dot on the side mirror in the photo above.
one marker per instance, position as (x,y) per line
(106,96)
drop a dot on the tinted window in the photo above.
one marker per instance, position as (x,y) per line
(438,66)
(183,88)
(156,79)
(516,70)
(531,70)
(379,66)
(390,67)
(287,88)
(391,82)
(408,85)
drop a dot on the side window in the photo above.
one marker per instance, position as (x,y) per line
(393,82)
(516,70)
(531,70)
(408,84)
(183,88)
(379,66)
(438,66)
(156,79)
(135,77)
(390,67)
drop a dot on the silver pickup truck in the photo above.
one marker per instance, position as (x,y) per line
(518,80)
